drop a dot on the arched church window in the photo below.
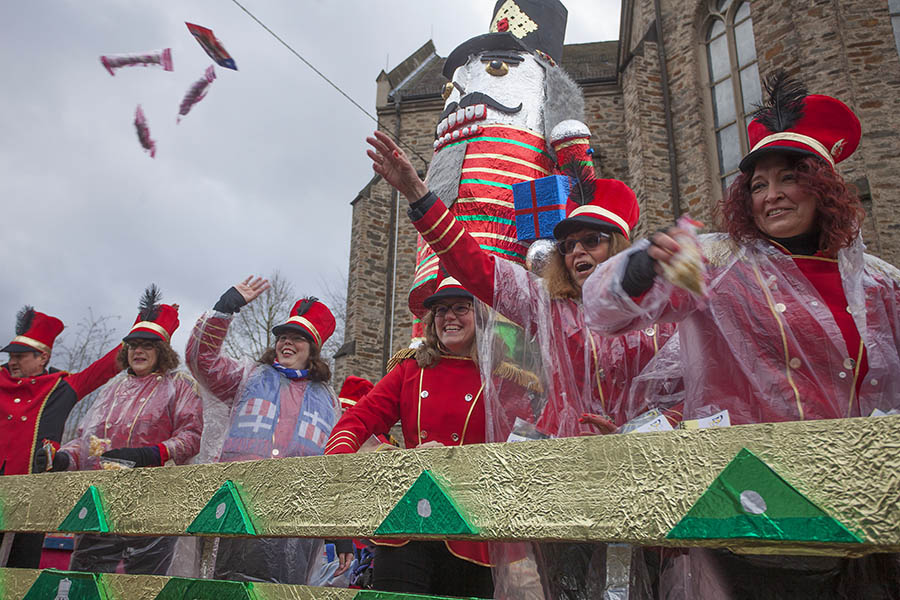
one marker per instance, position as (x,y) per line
(733,80)
(894,7)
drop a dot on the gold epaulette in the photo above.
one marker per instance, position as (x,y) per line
(399,357)
(882,267)
(518,375)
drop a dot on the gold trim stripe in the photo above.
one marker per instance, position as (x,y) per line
(590,209)
(494,236)
(512,159)
(152,327)
(451,244)
(813,143)
(436,223)
(576,142)
(497,201)
(347,401)
(21,339)
(308,324)
(498,172)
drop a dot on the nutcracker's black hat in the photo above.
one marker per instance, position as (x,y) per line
(524,25)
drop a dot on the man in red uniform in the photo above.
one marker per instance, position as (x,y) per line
(34,403)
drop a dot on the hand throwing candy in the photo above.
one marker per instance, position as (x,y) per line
(163,58)
(197,92)
(143,131)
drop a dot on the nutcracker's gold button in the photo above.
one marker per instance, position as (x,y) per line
(468,397)
(424,394)
(454,437)
(842,375)
(795,363)
(9,417)
(423,434)
(17,400)
(780,307)
(274,451)
(849,363)
(24,418)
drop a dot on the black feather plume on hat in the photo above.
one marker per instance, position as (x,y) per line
(785,104)
(581,182)
(149,304)
(306,305)
(24,319)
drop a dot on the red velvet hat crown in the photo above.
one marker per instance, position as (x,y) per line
(35,332)
(311,317)
(155,321)
(447,287)
(604,203)
(353,390)
(794,122)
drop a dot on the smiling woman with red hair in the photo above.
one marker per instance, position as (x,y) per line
(798,323)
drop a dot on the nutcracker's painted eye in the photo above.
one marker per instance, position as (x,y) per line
(498,68)
(448,89)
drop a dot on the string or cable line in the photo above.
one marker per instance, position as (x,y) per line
(331,83)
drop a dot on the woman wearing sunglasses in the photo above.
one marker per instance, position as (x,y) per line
(146,417)
(437,394)
(588,376)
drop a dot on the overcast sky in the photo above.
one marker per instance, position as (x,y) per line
(259,176)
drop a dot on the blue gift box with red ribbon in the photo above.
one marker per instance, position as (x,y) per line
(539,205)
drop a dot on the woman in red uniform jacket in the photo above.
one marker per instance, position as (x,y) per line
(436,392)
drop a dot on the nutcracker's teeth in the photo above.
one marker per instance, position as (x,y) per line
(460,115)
(465,131)
(442,127)
(451,120)
(455,134)
(470,113)
(436,144)
(479,110)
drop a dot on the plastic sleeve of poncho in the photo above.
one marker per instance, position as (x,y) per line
(138,412)
(220,374)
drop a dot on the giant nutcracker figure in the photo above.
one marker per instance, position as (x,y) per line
(509,116)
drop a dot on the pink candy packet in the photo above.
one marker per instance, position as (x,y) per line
(196,93)
(143,132)
(162,58)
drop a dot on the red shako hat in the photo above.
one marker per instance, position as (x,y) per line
(35,332)
(310,317)
(155,321)
(794,122)
(603,203)
(353,390)
(447,287)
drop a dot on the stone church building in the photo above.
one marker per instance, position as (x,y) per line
(667,104)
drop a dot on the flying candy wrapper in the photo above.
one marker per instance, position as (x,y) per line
(212,45)
(197,92)
(163,58)
(140,123)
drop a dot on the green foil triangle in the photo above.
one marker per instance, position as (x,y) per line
(178,588)
(750,500)
(426,508)
(224,513)
(87,515)
(51,584)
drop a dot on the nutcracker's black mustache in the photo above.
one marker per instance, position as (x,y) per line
(478,98)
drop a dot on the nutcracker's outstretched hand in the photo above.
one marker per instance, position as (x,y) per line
(389,161)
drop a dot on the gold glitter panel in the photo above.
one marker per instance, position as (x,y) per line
(628,488)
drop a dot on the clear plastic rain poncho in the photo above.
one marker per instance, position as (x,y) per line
(271,416)
(581,373)
(134,412)
(765,347)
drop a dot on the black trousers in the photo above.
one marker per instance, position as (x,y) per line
(26,550)
(139,555)
(429,568)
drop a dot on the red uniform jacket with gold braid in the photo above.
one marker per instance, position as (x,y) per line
(35,408)
(611,362)
(442,403)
